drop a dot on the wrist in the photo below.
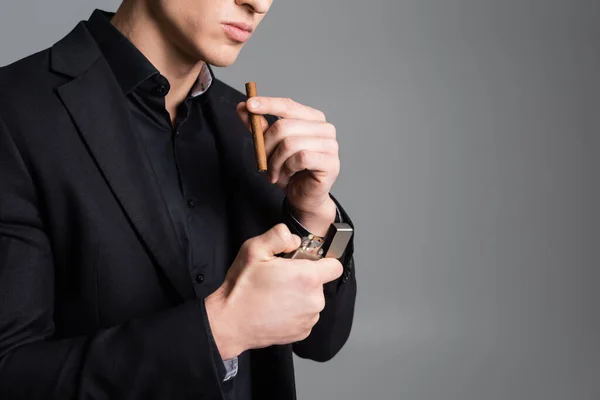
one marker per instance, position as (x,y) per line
(222,326)
(318,219)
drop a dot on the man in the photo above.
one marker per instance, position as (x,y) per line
(138,243)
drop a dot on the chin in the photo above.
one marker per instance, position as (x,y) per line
(224,58)
(216,54)
(220,61)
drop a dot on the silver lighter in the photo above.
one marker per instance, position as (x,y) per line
(332,245)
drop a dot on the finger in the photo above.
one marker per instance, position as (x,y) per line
(328,269)
(285,180)
(312,161)
(318,182)
(282,181)
(297,144)
(276,240)
(245,117)
(283,128)
(284,108)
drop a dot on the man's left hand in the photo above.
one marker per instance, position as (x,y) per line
(302,154)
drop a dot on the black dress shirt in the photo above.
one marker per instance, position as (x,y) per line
(185,159)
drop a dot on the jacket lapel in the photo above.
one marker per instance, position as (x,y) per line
(255,207)
(99,109)
(255,204)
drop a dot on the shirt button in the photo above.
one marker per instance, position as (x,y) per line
(200,278)
(191,203)
(160,90)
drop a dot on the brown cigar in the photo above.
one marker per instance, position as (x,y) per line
(257,132)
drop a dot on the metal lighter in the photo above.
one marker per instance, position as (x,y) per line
(332,245)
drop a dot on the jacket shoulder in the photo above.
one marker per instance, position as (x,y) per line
(26,69)
(28,84)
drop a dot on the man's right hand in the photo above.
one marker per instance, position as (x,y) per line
(265,299)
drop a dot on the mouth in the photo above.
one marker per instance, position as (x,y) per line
(238,31)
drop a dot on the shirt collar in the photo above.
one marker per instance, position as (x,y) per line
(128,64)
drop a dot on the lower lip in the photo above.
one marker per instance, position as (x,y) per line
(235,33)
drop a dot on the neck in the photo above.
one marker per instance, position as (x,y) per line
(135,20)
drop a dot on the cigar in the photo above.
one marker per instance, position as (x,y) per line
(257,132)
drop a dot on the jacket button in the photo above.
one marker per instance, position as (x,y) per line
(200,278)
(191,203)
(346,276)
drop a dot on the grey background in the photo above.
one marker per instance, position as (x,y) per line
(468,133)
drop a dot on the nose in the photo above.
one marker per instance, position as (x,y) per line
(258,6)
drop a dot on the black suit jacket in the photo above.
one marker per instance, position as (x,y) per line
(96,300)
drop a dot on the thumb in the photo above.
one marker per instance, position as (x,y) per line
(276,240)
(244,115)
(329,269)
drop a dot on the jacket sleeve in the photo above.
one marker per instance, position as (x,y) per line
(332,330)
(165,355)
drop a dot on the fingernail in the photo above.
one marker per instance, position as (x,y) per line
(254,103)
